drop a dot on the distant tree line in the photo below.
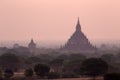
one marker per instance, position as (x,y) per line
(60,66)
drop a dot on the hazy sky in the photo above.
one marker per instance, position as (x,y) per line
(56,19)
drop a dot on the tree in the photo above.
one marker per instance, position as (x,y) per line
(63,56)
(28,72)
(1,74)
(73,63)
(53,75)
(76,56)
(57,65)
(33,60)
(8,73)
(57,61)
(9,60)
(69,75)
(72,66)
(108,57)
(93,67)
(41,69)
(112,76)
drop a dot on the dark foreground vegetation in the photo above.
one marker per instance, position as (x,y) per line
(55,65)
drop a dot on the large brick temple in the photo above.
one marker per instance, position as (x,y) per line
(78,42)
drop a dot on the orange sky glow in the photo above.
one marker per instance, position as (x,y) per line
(56,19)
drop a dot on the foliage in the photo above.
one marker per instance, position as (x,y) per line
(93,67)
(62,56)
(77,56)
(28,72)
(1,73)
(112,76)
(109,58)
(53,75)
(9,60)
(73,63)
(74,59)
(8,73)
(57,61)
(72,66)
(69,75)
(32,60)
(41,69)
(45,56)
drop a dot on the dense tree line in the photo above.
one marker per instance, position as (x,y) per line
(62,65)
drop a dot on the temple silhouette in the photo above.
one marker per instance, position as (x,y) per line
(32,46)
(78,42)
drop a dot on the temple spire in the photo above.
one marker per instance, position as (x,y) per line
(78,27)
(78,21)
(32,45)
(32,40)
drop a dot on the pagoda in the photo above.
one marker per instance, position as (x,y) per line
(78,42)
(32,46)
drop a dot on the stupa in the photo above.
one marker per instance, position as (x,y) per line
(78,42)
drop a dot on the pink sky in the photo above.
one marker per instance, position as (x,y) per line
(56,19)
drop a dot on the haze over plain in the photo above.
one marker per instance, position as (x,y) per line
(55,20)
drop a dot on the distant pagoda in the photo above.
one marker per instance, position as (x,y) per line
(32,46)
(78,42)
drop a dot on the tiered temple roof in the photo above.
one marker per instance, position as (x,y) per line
(78,42)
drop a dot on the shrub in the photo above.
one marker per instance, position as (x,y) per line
(1,74)
(8,73)
(93,67)
(53,75)
(41,69)
(69,75)
(10,61)
(28,72)
(112,76)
